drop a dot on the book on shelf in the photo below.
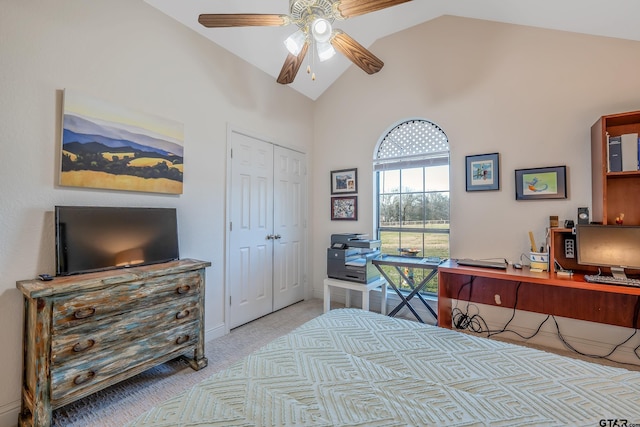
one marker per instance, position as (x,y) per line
(615,154)
(629,152)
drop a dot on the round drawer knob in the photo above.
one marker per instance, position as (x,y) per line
(182,314)
(83,378)
(83,313)
(182,339)
(183,289)
(83,346)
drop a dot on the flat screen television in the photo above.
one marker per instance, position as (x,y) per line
(93,238)
(614,246)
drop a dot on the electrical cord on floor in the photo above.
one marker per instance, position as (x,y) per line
(475,323)
(636,350)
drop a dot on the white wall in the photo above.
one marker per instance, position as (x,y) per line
(529,94)
(130,54)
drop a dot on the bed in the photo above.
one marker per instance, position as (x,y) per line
(351,367)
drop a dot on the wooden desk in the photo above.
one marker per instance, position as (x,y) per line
(542,292)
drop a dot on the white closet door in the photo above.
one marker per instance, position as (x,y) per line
(250,272)
(289,248)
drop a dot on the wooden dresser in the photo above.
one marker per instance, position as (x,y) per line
(86,332)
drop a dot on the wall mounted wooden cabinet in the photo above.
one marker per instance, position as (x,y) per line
(613,193)
(85,332)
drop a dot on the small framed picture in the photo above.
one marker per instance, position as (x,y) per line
(483,172)
(344,181)
(344,208)
(541,183)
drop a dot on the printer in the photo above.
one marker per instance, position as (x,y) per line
(349,258)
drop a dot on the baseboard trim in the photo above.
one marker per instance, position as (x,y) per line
(9,414)
(215,332)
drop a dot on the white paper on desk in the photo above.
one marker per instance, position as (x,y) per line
(630,152)
(360,262)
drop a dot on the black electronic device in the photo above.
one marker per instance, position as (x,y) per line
(349,258)
(45,277)
(482,263)
(583,215)
(569,223)
(93,238)
(614,246)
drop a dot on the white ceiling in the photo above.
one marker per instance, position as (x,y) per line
(264,48)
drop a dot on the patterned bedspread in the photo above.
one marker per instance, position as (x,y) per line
(350,367)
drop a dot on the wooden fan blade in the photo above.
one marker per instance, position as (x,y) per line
(242,20)
(351,8)
(291,66)
(357,53)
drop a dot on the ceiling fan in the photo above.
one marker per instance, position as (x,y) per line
(314,19)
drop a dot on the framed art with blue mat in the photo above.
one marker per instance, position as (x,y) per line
(483,172)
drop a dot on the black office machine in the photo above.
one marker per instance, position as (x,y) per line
(349,258)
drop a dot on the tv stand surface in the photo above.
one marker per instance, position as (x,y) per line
(86,332)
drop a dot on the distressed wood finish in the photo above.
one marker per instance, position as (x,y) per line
(86,332)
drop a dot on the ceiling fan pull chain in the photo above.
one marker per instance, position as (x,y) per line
(314,52)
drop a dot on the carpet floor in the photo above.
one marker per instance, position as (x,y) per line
(115,405)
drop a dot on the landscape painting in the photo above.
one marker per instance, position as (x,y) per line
(111,147)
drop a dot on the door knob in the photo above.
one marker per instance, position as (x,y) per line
(277,236)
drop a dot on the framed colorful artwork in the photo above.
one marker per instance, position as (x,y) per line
(483,172)
(111,147)
(344,208)
(344,181)
(541,183)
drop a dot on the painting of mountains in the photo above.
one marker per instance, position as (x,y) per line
(111,147)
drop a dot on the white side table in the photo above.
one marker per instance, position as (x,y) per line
(355,286)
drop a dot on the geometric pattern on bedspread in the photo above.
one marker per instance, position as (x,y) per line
(350,367)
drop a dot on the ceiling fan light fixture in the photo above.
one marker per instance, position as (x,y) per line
(295,42)
(325,51)
(321,30)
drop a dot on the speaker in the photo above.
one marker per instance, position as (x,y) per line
(583,215)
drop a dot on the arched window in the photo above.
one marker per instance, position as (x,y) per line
(411,162)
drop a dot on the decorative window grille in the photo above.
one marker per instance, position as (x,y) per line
(411,162)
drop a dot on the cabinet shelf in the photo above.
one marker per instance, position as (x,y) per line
(613,193)
(626,174)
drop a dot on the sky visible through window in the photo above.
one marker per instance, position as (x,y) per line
(435,178)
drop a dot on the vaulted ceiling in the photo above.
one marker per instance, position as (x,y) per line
(264,48)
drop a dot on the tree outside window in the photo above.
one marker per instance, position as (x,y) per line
(412,185)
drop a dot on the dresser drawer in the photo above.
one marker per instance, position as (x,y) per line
(90,371)
(76,309)
(86,332)
(88,339)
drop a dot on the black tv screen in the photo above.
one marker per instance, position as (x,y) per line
(92,238)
